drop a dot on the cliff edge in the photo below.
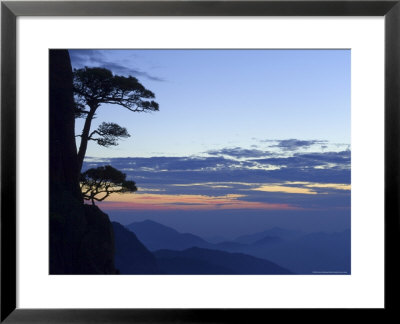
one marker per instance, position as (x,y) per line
(81,236)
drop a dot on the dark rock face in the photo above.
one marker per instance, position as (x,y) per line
(81,237)
(63,156)
(67,224)
(131,256)
(96,253)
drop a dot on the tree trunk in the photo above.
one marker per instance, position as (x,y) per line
(85,138)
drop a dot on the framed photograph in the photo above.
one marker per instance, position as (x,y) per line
(191,161)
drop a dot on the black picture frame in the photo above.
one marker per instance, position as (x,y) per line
(10,10)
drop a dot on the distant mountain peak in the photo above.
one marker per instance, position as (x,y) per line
(268,240)
(157,236)
(131,256)
(150,222)
(277,232)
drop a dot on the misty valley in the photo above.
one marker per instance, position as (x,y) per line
(149,247)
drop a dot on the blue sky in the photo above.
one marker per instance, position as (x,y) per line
(211,99)
(259,135)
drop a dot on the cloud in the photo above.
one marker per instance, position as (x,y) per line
(336,186)
(142,189)
(238,152)
(302,187)
(91,58)
(322,160)
(294,144)
(240,177)
(322,167)
(317,180)
(213,185)
(285,189)
(163,164)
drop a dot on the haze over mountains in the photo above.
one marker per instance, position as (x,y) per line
(205,261)
(164,250)
(157,236)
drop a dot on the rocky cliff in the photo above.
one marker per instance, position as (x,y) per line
(81,237)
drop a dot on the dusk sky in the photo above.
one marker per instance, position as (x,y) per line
(252,138)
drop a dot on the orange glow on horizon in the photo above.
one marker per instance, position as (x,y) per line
(187,202)
(337,186)
(286,189)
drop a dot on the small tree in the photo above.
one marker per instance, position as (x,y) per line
(107,134)
(96,86)
(99,183)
